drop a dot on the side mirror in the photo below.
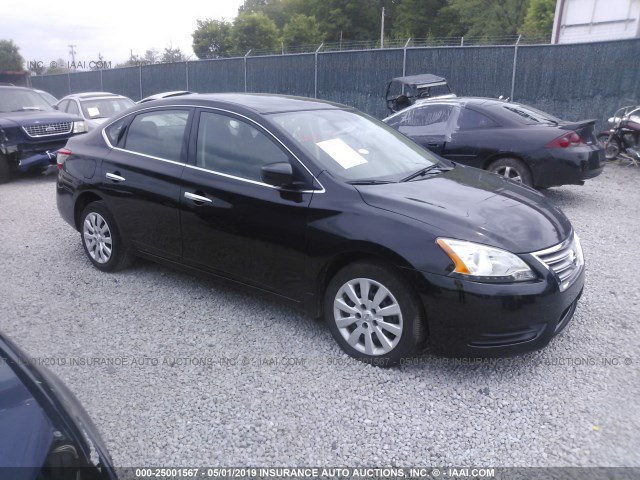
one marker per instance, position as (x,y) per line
(277,174)
(55,107)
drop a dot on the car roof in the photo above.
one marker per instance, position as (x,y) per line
(173,93)
(85,95)
(421,79)
(262,103)
(14,87)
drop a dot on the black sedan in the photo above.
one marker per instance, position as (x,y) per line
(320,204)
(513,140)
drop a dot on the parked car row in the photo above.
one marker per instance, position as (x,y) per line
(381,228)
(342,214)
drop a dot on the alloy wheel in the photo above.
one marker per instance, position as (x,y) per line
(509,172)
(368,316)
(97,237)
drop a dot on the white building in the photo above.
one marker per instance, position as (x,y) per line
(595,20)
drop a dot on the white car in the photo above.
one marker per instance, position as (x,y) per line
(94,107)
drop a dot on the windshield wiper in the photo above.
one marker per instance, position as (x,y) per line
(24,109)
(435,168)
(369,182)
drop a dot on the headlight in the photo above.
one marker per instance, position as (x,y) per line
(485,264)
(80,127)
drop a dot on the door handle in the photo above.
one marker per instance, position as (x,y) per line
(115,178)
(196,198)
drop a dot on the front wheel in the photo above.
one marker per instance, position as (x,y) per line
(373,314)
(101,240)
(513,169)
(611,146)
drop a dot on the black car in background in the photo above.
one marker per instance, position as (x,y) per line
(513,140)
(44,431)
(318,203)
(31,131)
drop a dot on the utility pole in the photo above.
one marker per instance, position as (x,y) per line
(72,52)
(382,30)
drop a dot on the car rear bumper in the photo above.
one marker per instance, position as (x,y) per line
(569,166)
(470,319)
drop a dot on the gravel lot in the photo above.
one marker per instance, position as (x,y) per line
(276,389)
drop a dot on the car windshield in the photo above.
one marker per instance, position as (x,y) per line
(354,146)
(104,107)
(50,99)
(17,100)
(529,115)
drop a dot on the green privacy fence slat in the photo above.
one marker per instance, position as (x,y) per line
(56,85)
(163,77)
(477,71)
(123,81)
(358,78)
(85,82)
(581,81)
(290,74)
(574,81)
(222,75)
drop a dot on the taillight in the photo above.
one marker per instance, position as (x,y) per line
(568,140)
(62,156)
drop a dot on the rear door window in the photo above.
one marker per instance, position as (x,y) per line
(159,134)
(472,120)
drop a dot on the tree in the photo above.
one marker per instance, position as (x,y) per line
(152,56)
(420,19)
(172,55)
(488,18)
(254,31)
(301,30)
(277,10)
(539,19)
(10,58)
(212,38)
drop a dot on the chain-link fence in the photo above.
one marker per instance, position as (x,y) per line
(574,81)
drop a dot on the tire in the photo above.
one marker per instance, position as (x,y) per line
(360,331)
(513,169)
(101,239)
(612,147)
(5,169)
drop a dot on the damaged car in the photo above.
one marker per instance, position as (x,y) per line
(31,131)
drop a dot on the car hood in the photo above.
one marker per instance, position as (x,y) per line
(51,396)
(32,117)
(470,204)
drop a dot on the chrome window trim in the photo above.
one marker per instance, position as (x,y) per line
(149,156)
(217,109)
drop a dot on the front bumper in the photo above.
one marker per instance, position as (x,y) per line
(569,166)
(470,319)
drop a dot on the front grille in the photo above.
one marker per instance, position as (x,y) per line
(47,129)
(565,260)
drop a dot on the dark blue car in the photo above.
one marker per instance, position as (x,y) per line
(31,131)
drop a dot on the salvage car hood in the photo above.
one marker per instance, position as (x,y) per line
(32,117)
(470,204)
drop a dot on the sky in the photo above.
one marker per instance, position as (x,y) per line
(43,30)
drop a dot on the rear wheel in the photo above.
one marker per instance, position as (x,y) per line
(611,146)
(5,169)
(101,240)
(373,313)
(513,169)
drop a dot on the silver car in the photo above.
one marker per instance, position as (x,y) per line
(94,107)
